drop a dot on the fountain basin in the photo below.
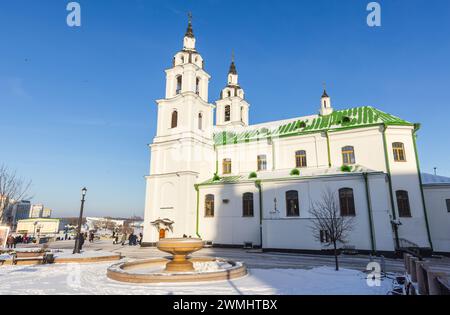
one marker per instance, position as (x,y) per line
(153,271)
(180,248)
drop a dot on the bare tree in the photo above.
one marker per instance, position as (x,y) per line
(12,189)
(328,225)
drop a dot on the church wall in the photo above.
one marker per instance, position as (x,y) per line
(406,177)
(283,232)
(170,196)
(439,216)
(228,226)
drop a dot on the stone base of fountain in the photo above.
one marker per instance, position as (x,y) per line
(179,268)
(153,271)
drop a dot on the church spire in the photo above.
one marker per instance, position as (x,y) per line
(189,38)
(232,66)
(189,31)
(325,103)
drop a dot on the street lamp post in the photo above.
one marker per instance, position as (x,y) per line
(76,249)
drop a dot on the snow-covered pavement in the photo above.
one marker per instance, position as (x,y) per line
(266,260)
(91,279)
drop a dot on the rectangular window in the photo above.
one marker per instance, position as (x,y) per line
(209,206)
(348,155)
(247,206)
(404,210)
(300,159)
(324,236)
(262,163)
(347,202)
(292,205)
(448,204)
(227,166)
(399,152)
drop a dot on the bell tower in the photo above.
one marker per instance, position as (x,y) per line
(182,152)
(232,108)
(325,104)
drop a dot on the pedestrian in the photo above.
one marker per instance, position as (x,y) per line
(124,238)
(140,238)
(131,239)
(91,237)
(11,242)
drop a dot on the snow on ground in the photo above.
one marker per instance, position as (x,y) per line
(66,253)
(91,279)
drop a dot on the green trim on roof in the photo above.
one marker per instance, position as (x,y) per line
(340,120)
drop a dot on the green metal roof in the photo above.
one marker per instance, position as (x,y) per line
(357,117)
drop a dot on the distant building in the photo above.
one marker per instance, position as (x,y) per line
(36,211)
(21,210)
(39,227)
(46,213)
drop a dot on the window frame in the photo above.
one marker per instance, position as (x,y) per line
(227,166)
(209,205)
(399,153)
(347,206)
(200,121)
(227,113)
(403,204)
(447,202)
(248,205)
(178,84)
(174,119)
(296,201)
(348,152)
(261,162)
(301,160)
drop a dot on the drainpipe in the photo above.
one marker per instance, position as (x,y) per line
(258,185)
(273,152)
(328,147)
(217,159)
(414,136)
(197,189)
(369,208)
(388,169)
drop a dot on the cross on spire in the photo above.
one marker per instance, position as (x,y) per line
(324,90)
(190,31)
(232,66)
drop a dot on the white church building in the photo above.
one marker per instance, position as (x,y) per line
(215,176)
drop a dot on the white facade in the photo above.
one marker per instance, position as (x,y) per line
(190,149)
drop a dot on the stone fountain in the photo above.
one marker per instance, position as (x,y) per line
(180,248)
(179,268)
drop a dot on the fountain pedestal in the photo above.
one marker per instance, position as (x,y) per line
(180,248)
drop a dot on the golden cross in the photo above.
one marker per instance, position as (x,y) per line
(190,17)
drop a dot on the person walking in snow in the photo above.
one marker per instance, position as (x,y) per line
(124,238)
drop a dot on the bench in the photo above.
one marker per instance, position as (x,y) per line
(39,257)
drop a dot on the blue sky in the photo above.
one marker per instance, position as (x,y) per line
(77,104)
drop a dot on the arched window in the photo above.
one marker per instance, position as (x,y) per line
(200,121)
(209,206)
(325,104)
(226,166)
(229,93)
(247,205)
(242,114)
(262,162)
(404,209)
(197,86)
(347,202)
(300,159)
(227,113)
(292,208)
(399,152)
(179,85)
(174,123)
(348,155)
